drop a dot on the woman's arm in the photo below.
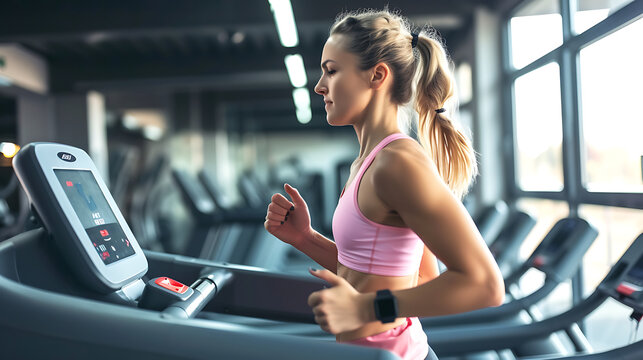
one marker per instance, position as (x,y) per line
(409,183)
(321,249)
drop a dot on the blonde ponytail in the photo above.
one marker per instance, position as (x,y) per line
(450,149)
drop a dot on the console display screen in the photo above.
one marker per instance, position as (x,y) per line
(95,215)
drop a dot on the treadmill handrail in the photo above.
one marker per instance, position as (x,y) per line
(632,351)
(460,340)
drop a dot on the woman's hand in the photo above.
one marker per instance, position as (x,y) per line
(288,221)
(340,308)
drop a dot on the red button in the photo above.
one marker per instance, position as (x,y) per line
(172,285)
(104,233)
(625,290)
(539,261)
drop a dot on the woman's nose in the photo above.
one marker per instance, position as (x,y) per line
(319,88)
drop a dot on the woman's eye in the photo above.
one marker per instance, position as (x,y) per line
(331,72)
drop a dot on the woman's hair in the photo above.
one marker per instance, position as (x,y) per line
(385,37)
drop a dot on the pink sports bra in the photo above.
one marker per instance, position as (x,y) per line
(367,246)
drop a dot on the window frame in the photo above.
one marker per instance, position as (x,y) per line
(567,56)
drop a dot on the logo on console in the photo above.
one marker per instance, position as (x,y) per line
(66,157)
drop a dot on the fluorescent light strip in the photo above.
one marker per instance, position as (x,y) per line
(301,97)
(296,70)
(304,115)
(285,22)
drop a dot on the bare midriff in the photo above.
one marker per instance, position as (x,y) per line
(365,283)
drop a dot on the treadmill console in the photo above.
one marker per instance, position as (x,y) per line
(632,283)
(625,281)
(564,247)
(551,247)
(75,206)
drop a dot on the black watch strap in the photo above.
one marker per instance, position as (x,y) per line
(385,305)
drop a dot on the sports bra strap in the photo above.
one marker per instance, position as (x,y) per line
(369,159)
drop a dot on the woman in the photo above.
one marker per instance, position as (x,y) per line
(400,209)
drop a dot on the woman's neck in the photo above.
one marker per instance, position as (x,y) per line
(379,120)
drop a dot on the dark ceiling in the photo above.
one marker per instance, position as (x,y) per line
(222,46)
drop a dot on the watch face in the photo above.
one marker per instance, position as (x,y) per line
(387,308)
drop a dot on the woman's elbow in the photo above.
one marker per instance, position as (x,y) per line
(490,288)
(495,288)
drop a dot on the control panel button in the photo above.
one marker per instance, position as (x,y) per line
(539,261)
(172,285)
(627,289)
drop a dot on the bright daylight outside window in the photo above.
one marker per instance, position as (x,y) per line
(535,30)
(538,130)
(590,12)
(612,122)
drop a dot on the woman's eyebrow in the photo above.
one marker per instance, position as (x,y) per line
(326,62)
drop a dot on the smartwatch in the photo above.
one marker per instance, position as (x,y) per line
(385,305)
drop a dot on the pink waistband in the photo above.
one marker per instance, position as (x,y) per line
(408,341)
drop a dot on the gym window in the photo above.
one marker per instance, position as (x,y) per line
(572,68)
(571,85)
(538,131)
(610,79)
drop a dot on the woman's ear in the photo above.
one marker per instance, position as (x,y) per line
(379,75)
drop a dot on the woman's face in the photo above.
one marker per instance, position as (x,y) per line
(345,88)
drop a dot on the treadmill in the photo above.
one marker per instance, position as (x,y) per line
(236,236)
(272,253)
(623,283)
(217,230)
(490,220)
(558,256)
(81,286)
(505,248)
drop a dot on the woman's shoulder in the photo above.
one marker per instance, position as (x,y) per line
(401,159)
(402,153)
(405,177)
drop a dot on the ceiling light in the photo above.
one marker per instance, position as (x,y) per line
(301,97)
(304,115)
(285,22)
(296,70)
